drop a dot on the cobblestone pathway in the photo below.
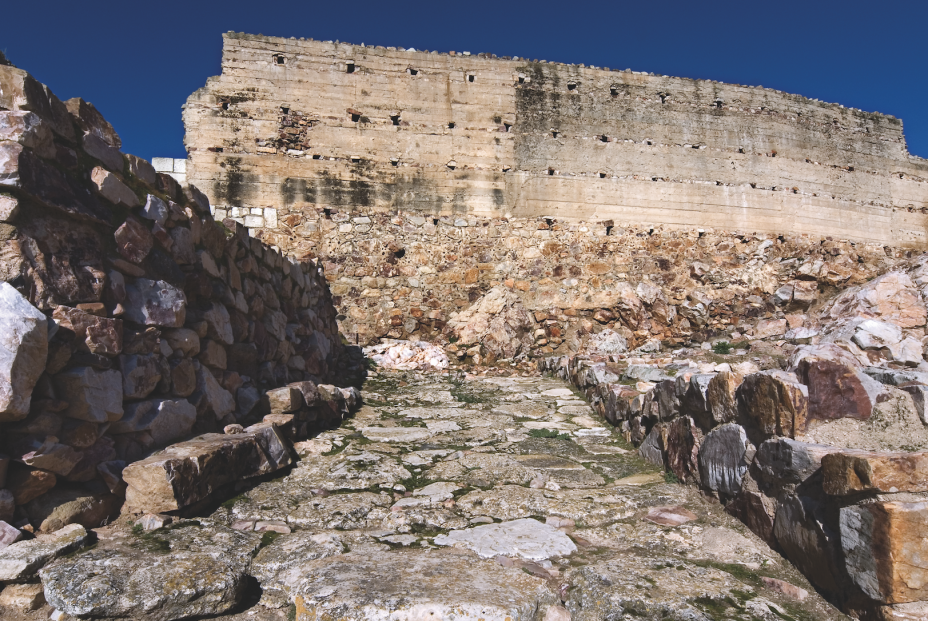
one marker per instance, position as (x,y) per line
(502,498)
(470,498)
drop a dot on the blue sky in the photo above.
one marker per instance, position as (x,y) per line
(138,61)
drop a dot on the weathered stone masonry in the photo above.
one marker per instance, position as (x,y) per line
(291,125)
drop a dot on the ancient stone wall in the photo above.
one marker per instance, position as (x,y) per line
(131,319)
(295,124)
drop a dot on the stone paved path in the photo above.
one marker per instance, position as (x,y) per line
(491,498)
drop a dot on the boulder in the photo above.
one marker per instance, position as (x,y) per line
(110,186)
(607,342)
(24,597)
(92,395)
(683,444)
(783,461)
(885,549)
(22,560)
(218,324)
(91,121)
(723,459)
(9,534)
(187,569)
(155,303)
(155,209)
(26,484)
(803,533)
(772,403)
(837,386)
(50,456)
(28,129)
(165,419)
(285,399)
(850,472)
(72,505)
(109,156)
(23,350)
(189,472)
(183,340)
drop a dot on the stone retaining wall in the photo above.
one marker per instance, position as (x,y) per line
(131,319)
(300,124)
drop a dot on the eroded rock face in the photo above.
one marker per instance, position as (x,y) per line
(891,297)
(23,349)
(722,462)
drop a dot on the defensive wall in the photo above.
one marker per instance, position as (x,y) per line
(296,125)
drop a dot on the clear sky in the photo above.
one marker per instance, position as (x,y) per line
(138,61)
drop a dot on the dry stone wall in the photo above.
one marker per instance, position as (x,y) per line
(816,440)
(295,125)
(131,319)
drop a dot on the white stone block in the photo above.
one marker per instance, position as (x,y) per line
(254,222)
(163,164)
(270,217)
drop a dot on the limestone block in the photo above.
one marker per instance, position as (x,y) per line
(22,560)
(183,377)
(27,484)
(50,456)
(213,354)
(185,473)
(155,303)
(98,335)
(721,399)
(166,420)
(285,399)
(182,248)
(111,187)
(885,549)
(219,326)
(848,472)
(525,538)
(155,209)
(92,395)
(23,350)
(20,91)
(9,534)
(25,597)
(874,334)
(722,462)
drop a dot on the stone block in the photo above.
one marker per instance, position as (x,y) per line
(183,377)
(722,459)
(837,387)
(849,472)
(285,399)
(155,303)
(721,401)
(66,505)
(8,534)
(92,395)
(28,129)
(109,156)
(142,170)
(24,597)
(20,91)
(50,455)
(213,354)
(133,240)
(783,461)
(772,403)
(95,334)
(90,121)
(21,561)
(214,397)
(803,533)
(683,443)
(110,186)
(166,420)
(182,340)
(188,472)
(23,352)
(219,325)
(885,550)
(26,484)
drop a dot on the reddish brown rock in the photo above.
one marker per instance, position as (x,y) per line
(133,240)
(721,400)
(849,472)
(91,121)
(891,297)
(670,516)
(26,484)
(837,387)
(683,439)
(98,335)
(755,510)
(772,403)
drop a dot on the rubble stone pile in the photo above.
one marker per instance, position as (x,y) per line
(818,441)
(130,320)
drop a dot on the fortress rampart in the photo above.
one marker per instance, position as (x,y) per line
(297,124)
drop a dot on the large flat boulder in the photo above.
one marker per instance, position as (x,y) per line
(188,569)
(20,561)
(850,472)
(186,473)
